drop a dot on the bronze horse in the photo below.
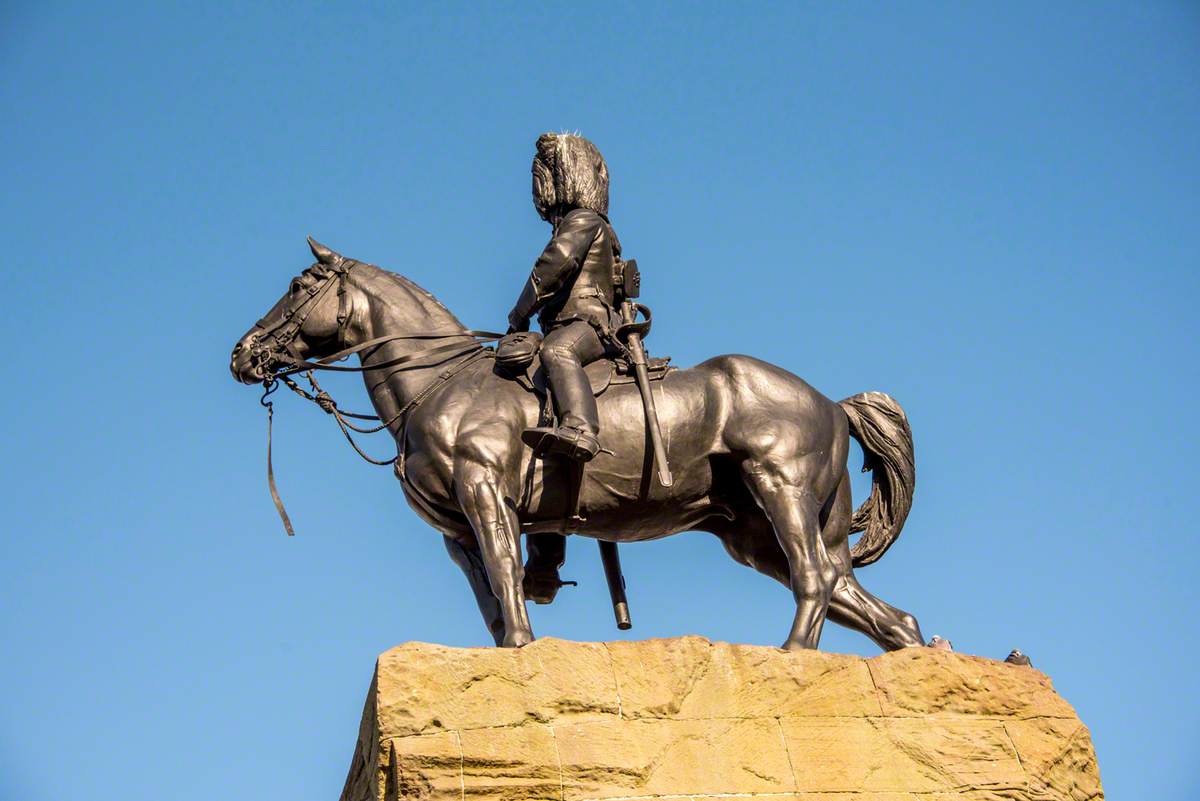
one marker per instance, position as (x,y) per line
(759,456)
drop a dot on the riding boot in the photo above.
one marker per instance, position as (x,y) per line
(574,443)
(575,435)
(547,553)
(564,353)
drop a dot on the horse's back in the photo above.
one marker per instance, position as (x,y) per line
(772,407)
(713,414)
(726,408)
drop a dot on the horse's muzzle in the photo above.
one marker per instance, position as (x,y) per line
(245,365)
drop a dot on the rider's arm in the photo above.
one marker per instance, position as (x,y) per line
(558,262)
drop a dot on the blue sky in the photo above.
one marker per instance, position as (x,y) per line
(989,212)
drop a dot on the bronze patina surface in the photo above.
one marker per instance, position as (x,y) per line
(757,456)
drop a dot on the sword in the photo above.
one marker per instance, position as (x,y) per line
(637,354)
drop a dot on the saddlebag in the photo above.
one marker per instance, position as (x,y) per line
(515,352)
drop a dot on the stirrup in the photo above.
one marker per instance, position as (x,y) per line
(574,443)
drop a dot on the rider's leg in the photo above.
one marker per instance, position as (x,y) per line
(547,552)
(564,353)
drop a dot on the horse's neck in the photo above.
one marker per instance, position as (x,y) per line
(395,305)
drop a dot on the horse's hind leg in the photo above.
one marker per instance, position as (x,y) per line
(851,605)
(469,559)
(854,607)
(751,540)
(784,490)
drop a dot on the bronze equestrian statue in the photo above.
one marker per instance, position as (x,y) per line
(758,456)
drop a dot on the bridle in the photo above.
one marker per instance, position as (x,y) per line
(274,342)
(274,352)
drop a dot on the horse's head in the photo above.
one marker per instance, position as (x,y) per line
(305,323)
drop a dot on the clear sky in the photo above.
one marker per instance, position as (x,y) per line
(990,211)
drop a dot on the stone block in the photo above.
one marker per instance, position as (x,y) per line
(679,719)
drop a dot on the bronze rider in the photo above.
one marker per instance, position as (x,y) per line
(571,287)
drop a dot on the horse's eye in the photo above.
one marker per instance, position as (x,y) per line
(296,286)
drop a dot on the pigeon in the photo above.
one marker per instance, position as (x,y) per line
(940,644)
(1018,658)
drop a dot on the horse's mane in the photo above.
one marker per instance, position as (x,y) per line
(425,299)
(395,287)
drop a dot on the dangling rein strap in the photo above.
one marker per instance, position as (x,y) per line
(283,515)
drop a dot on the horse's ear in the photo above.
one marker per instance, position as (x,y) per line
(322,253)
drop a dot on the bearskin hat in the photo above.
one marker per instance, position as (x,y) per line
(568,173)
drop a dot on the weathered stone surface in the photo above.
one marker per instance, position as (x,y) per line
(925,681)
(684,718)
(425,766)
(619,758)
(689,677)
(511,763)
(422,687)
(902,754)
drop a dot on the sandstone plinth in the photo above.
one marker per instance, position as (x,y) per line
(685,718)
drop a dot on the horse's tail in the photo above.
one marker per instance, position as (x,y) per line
(881,428)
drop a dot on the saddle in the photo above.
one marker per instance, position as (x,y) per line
(518,359)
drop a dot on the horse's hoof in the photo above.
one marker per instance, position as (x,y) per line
(518,640)
(796,645)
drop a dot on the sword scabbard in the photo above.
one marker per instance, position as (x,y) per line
(616,584)
(641,373)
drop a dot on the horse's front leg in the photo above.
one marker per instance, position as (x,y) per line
(482,498)
(466,554)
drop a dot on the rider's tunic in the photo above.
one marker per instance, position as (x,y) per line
(572,285)
(573,278)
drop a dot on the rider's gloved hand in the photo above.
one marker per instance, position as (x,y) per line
(517,322)
(523,309)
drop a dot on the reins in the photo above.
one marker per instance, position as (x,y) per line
(454,349)
(281,366)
